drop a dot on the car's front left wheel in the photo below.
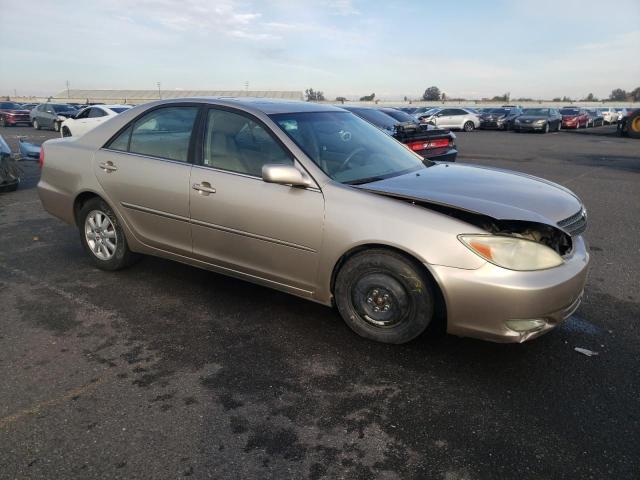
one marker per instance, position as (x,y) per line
(56,126)
(468,127)
(102,236)
(384,296)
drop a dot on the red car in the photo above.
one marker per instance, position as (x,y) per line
(574,118)
(12,114)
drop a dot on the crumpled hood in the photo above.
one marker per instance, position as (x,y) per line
(500,194)
(532,118)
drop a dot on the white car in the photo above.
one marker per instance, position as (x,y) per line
(609,114)
(459,118)
(89,118)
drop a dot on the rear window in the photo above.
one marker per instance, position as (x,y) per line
(569,111)
(378,118)
(62,107)
(10,106)
(119,109)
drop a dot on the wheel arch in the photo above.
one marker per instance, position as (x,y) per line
(83,197)
(439,322)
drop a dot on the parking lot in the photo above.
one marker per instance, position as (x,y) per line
(167,371)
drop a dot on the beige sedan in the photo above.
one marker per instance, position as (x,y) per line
(314,201)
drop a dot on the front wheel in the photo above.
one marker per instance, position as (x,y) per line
(56,126)
(383,296)
(36,125)
(546,128)
(102,236)
(468,127)
(3,122)
(66,132)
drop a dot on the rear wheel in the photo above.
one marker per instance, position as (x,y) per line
(3,122)
(546,128)
(383,296)
(102,236)
(56,126)
(468,127)
(66,132)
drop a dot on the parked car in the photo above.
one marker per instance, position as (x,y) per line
(12,114)
(458,118)
(29,106)
(89,118)
(595,118)
(425,140)
(542,120)
(314,201)
(621,111)
(51,115)
(629,126)
(28,150)
(9,171)
(574,117)
(499,118)
(609,114)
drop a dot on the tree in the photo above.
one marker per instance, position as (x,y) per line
(501,98)
(443,97)
(341,99)
(368,98)
(557,99)
(635,94)
(618,95)
(589,98)
(567,99)
(313,96)
(431,94)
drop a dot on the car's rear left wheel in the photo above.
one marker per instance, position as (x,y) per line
(383,296)
(66,132)
(468,127)
(102,236)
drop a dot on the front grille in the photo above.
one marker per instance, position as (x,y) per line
(575,224)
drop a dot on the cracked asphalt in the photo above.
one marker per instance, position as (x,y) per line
(166,371)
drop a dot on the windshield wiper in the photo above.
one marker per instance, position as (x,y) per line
(362,181)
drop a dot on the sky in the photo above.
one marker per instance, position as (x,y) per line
(471,49)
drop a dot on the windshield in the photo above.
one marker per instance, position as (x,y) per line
(399,115)
(498,111)
(10,106)
(62,108)
(346,148)
(119,109)
(378,118)
(536,111)
(569,111)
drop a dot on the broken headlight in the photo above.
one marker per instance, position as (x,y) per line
(511,252)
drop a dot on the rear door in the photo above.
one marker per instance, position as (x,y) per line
(145,172)
(263,230)
(444,118)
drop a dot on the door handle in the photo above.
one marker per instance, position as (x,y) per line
(108,167)
(204,188)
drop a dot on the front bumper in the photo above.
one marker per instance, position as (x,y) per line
(529,127)
(480,302)
(493,125)
(17,120)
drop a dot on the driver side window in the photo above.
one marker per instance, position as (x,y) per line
(235,143)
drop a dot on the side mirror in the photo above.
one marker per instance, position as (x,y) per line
(285,175)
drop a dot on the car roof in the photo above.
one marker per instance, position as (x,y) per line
(265,105)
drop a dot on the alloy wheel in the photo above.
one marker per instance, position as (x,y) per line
(100,234)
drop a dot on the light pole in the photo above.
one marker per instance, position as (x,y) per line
(68,95)
(159,94)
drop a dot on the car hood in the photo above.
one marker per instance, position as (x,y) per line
(69,113)
(11,110)
(500,194)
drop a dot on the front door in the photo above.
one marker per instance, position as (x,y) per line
(239,222)
(145,174)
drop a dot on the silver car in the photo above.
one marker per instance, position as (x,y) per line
(314,201)
(452,118)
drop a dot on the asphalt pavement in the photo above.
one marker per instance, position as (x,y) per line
(166,371)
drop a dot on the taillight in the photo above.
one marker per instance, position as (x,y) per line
(427,144)
(41,157)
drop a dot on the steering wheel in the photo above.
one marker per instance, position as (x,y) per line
(350,157)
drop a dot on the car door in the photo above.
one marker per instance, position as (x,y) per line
(78,124)
(266,231)
(444,118)
(96,116)
(145,170)
(48,116)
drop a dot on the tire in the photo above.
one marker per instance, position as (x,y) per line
(36,125)
(468,126)
(383,296)
(559,126)
(66,132)
(546,128)
(56,126)
(9,188)
(633,125)
(102,237)
(3,122)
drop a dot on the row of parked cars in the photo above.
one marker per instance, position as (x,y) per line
(68,119)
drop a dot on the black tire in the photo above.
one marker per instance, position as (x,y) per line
(468,126)
(36,125)
(559,126)
(66,132)
(546,128)
(56,126)
(122,257)
(392,284)
(3,122)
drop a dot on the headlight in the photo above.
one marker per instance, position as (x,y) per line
(517,120)
(539,122)
(512,252)
(61,118)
